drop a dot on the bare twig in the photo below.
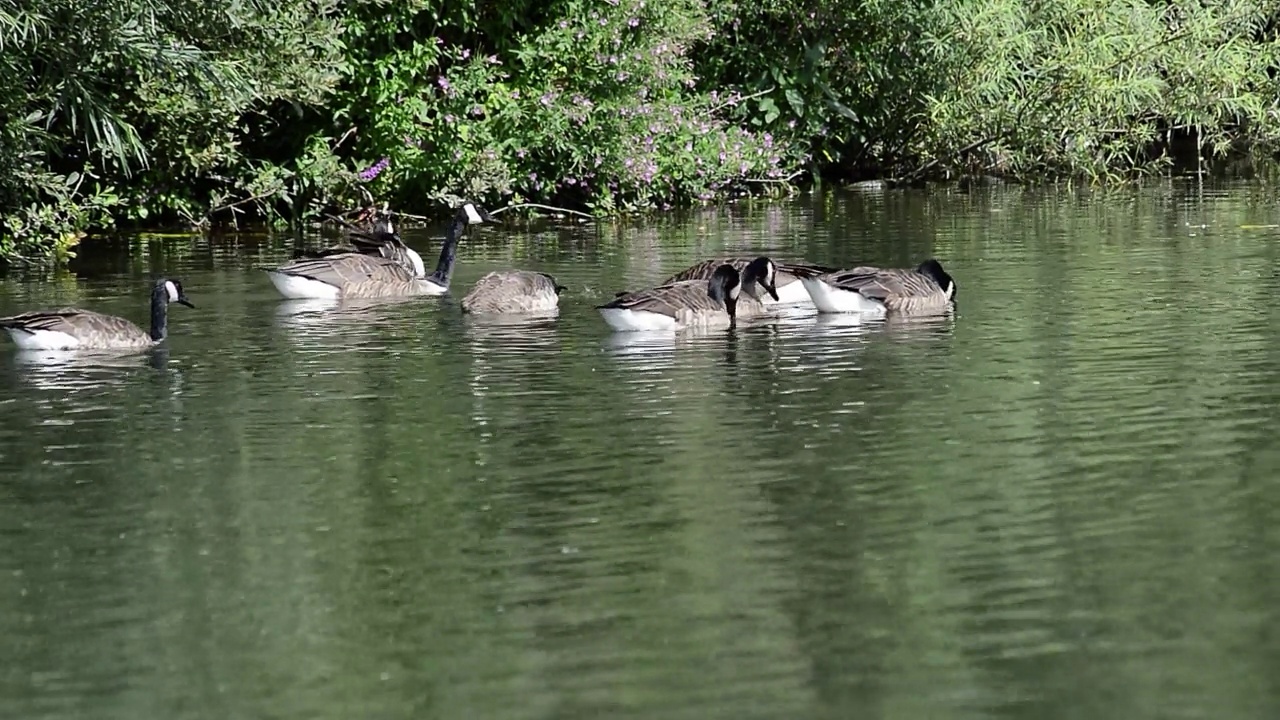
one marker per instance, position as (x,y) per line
(744,98)
(233,205)
(410,216)
(542,207)
(344,137)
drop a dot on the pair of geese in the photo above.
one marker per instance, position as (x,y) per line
(378,264)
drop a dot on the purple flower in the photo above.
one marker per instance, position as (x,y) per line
(466,54)
(571,181)
(633,22)
(374,170)
(443,82)
(533,177)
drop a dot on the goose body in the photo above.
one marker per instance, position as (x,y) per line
(717,301)
(380,269)
(76,329)
(790,290)
(924,289)
(513,291)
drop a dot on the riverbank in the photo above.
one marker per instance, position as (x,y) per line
(215,113)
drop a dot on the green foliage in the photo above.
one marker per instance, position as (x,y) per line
(1033,90)
(209,110)
(148,96)
(1046,89)
(585,102)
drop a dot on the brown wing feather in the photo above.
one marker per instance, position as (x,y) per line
(75,322)
(900,289)
(349,269)
(512,291)
(669,299)
(705,269)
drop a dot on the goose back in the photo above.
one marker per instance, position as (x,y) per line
(348,275)
(68,328)
(900,290)
(686,303)
(513,291)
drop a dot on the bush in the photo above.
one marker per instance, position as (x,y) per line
(153,98)
(141,111)
(589,103)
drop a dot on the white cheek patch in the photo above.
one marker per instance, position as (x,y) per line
(172,290)
(733,293)
(473,217)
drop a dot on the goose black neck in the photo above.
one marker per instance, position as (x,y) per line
(159,312)
(731,306)
(449,251)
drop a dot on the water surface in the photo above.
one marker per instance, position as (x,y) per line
(1060,503)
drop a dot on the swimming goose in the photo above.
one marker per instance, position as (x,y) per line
(790,290)
(75,329)
(381,241)
(925,289)
(359,275)
(723,298)
(513,291)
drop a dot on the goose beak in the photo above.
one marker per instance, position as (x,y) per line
(185,301)
(773,291)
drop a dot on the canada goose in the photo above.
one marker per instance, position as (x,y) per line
(790,290)
(75,329)
(926,289)
(513,291)
(723,298)
(358,275)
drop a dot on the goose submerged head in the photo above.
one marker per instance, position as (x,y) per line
(762,272)
(933,269)
(723,286)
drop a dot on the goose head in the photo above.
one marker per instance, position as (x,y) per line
(933,269)
(171,291)
(762,272)
(474,214)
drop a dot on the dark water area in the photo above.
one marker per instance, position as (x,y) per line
(1062,502)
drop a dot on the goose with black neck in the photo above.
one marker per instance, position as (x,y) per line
(358,275)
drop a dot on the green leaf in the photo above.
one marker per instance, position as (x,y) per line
(796,102)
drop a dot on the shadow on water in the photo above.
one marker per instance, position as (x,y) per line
(1055,502)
